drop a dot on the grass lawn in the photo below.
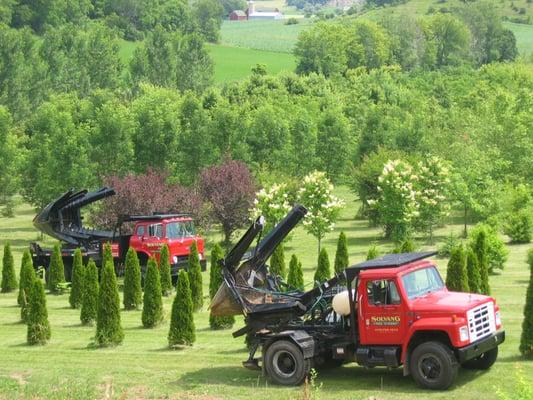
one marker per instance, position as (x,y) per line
(231,63)
(144,368)
(524,37)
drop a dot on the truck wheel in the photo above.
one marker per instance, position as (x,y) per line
(285,363)
(483,361)
(433,366)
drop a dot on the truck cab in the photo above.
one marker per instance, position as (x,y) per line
(177,231)
(394,311)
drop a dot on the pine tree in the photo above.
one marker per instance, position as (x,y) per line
(89,303)
(341,256)
(164,270)
(472,266)
(277,262)
(480,248)
(373,253)
(323,272)
(296,276)
(195,278)
(456,275)
(132,281)
(108,328)
(76,287)
(215,280)
(181,331)
(9,280)
(526,340)
(56,271)
(152,313)
(27,276)
(38,325)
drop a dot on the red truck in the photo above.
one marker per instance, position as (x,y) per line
(391,312)
(62,219)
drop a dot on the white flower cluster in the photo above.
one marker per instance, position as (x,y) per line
(272,203)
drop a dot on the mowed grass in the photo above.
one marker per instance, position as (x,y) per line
(142,367)
(230,63)
(524,37)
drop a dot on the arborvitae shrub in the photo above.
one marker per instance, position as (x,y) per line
(164,271)
(181,331)
(152,313)
(56,271)
(76,288)
(89,303)
(9,280)
(195,278)
(372,253)
(526,340)
(27,276)
(277,262)
(519,227)
(132,281)
(472,267)
(215,275)
(108,255)
(480,247)
(108,328)
(407,246)
(456,275)
(341,256)
(38,325)
(323,271)
(296,275)
(496,252)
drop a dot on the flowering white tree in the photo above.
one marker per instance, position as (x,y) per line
(272,203)
(322,206)
(434,185)
(396,203)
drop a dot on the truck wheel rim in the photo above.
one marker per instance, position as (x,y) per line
(284,364)
(430,367)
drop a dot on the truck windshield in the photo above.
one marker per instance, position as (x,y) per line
(176,230)
(421,282)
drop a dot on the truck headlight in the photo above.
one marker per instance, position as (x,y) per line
(463,333)
(175,259)
(200,256)
(497,318)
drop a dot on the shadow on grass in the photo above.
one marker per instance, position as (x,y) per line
(227,375)
(513,358)
(18,229)
(14,323)
(240,350)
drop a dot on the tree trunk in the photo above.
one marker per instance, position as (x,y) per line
(227,237)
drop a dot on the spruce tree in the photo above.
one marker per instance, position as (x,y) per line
(152,313)
(181,331)
(526,339)
(132,281)
(277,262)
(38,325)
(296,276)
(456,275)
(89,303)
(108,328)
(56,271)
(323,272)
(480,248)
(341,256)
(27,276)
(215,280)
(472,266)
(164,270)
(76,287)
(195,278)
(372,253)
(9,280)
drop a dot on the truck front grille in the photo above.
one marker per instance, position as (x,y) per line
(481,321)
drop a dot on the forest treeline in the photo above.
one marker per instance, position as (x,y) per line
(71,114)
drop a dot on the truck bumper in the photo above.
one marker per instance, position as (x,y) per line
(175,268)
(481,346)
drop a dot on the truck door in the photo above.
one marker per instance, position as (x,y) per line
(382,312)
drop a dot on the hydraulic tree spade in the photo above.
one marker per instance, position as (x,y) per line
(392,312)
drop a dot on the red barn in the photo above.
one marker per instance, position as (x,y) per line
(237,15)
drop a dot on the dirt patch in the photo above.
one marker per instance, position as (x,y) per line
(20,377)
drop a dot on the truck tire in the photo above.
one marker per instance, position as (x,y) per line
(285,363)
(482,362)
(433,366)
